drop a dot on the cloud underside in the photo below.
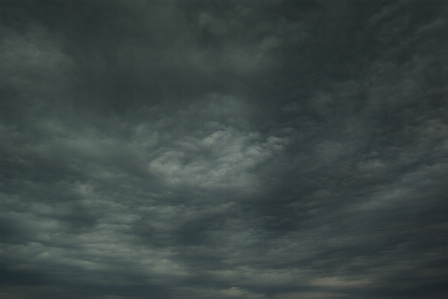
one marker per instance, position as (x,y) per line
(223,149)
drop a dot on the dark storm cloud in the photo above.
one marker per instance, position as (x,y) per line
(225,149)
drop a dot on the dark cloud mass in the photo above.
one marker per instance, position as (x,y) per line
(223,149)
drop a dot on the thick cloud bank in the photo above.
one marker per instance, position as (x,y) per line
(223,149)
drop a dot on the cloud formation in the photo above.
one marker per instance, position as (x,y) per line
(225,149)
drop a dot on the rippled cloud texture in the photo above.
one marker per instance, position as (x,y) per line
(223,149)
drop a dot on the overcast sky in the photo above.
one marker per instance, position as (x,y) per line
(223,149)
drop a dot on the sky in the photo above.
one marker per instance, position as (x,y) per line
(223,149)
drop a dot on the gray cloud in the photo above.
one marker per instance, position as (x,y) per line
(225,149)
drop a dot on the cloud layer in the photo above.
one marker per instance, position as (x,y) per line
(225,149)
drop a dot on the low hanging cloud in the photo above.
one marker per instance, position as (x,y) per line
(224,149)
